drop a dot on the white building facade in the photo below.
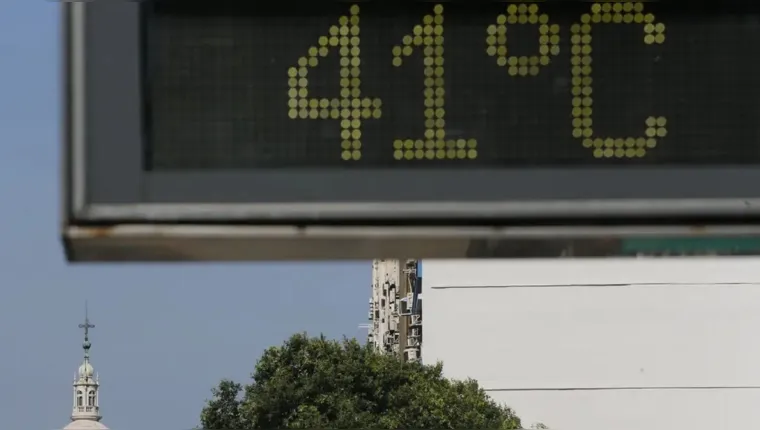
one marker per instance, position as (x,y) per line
(603,344)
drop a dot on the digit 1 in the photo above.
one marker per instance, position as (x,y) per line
(429,37)
(609,147)
(350,108)
(548,40)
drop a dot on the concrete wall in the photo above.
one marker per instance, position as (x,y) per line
(606,344)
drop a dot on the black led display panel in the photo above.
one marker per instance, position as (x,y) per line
(387,84)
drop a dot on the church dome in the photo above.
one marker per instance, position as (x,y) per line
(86,370)
(85,425)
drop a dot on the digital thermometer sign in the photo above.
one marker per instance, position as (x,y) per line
(325,129)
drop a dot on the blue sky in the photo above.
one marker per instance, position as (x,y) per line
(164,335)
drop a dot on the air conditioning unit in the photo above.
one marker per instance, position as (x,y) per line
(388,338)
(405,305)
(411,355)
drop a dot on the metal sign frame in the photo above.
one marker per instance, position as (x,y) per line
(115,212)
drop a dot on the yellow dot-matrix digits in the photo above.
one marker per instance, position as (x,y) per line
(350,108)
(434,145)
(581,67)
(496,40)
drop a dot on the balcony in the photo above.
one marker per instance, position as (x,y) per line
(88,409)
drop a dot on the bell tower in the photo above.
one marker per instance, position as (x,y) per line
(86,408)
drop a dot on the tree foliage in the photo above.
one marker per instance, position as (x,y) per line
(319,383)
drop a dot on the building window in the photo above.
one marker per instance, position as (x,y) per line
(79,398)
(91,399)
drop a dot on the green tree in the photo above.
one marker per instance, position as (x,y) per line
(319,383)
